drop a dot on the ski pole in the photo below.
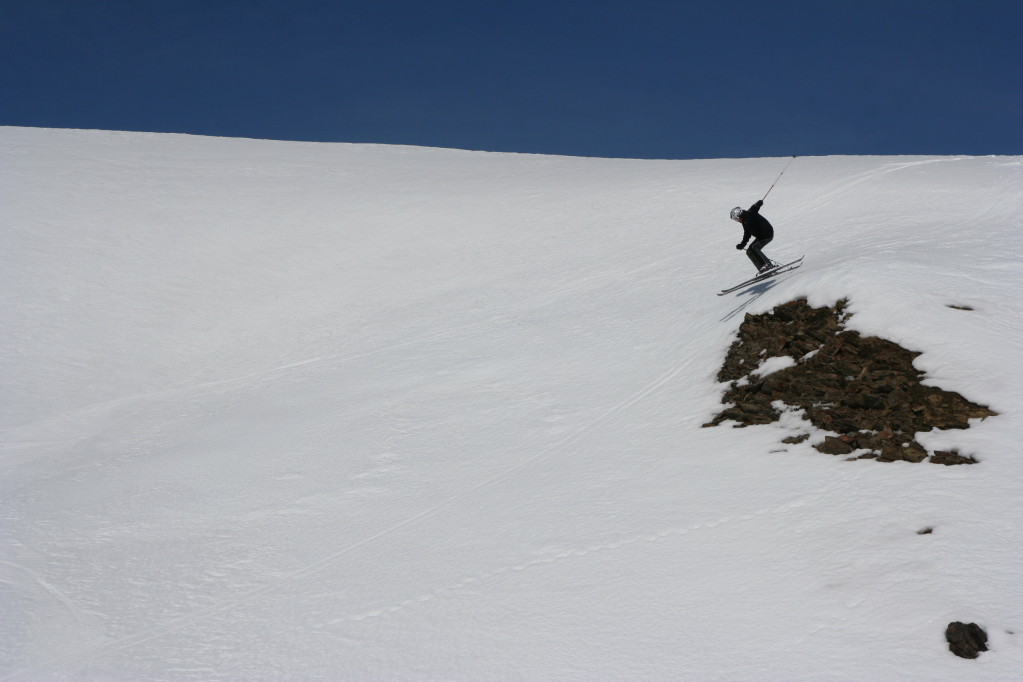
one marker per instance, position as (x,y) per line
(779,175)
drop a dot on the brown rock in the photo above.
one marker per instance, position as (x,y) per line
(834,446)
(864,390)
(949,458)
(966,640)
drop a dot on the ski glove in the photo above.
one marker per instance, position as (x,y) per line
(739,246)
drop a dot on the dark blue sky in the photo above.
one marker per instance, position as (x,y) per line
(632,78)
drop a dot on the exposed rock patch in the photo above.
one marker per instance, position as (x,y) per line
(862,389)
(966,640)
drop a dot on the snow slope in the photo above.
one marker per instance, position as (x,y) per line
(283,411)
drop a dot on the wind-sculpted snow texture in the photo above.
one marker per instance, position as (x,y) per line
(280,411)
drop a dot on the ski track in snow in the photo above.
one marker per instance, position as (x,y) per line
(663,534)
(328,561)
(552,297)
(58,596)
(826,196)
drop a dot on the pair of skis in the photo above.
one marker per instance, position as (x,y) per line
(777,270)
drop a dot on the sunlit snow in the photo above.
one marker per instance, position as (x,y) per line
(285,411)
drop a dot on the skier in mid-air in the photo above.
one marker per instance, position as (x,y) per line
(756,226)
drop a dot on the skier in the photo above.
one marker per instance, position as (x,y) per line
(756,226)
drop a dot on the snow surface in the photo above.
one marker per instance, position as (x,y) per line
(775,364)
(285,411)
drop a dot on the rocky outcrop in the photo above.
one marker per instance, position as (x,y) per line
(864,390)
(966,640)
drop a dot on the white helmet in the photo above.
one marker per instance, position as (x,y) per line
(737,213)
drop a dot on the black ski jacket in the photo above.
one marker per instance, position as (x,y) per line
(755,225)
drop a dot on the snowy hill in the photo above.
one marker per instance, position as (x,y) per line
(283,411)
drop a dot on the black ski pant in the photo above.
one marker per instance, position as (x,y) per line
(756,255)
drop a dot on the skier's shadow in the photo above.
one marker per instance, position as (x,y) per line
(754,291)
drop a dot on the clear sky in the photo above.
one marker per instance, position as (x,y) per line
(622,78)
